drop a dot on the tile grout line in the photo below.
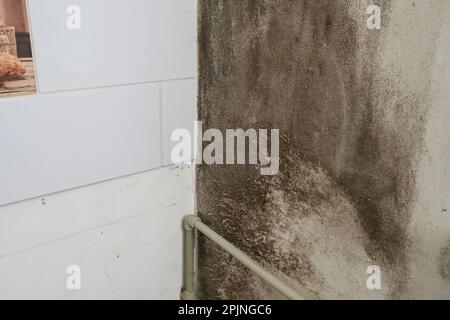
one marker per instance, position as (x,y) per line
(47,195)
(161,124)
(49,93)
(42,244)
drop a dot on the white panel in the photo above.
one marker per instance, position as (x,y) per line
(120,41)
(138,258)
(56,142)
(115,231)
(179,100)
(35,222)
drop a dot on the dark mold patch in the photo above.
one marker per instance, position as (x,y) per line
(309,68)
(444,265)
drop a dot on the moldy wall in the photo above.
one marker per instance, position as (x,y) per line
(364,118)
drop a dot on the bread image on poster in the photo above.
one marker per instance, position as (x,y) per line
(17,75)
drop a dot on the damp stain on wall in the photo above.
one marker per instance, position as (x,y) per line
(444,266)
(352,115)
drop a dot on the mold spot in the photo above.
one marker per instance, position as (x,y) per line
(444,265)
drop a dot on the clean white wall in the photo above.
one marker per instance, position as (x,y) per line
(177,113)
(82,176)
(56,142)
(124,234)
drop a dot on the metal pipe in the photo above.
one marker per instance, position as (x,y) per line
(188,290)
(194,222)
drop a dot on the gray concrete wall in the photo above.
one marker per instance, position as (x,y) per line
(365,158)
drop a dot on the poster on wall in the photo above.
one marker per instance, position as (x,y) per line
(17,76)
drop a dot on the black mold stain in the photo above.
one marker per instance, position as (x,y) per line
(310,69)
(444,266)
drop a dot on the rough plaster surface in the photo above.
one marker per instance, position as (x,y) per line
(365,155)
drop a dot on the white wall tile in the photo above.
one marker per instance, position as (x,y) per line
(138,258)
(56,142)
(119,42)
(179,111)
(125,234)
(35,222)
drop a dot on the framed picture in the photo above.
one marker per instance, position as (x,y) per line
(17,76)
